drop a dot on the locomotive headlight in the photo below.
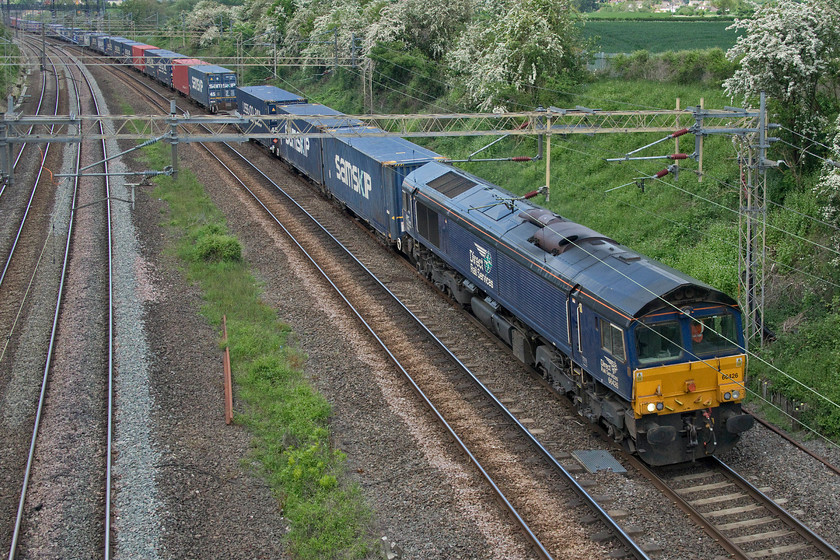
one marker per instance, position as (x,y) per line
(651,407)
(736,394)
(727,396)
(660,406)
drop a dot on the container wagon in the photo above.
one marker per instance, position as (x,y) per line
(366,173)
(181,73)
(264,100)
(303,153)
(212,87)
(138,56)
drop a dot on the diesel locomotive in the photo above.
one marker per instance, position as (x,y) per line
(654,356)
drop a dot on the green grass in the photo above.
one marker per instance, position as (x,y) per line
(289,420)
(626,36)
(10,71)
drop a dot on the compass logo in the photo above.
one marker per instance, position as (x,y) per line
(481,263)
(485,256)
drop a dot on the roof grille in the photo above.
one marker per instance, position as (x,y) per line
(452,184)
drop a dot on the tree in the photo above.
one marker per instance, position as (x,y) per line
(785,50)
(431,26)
(828,189)
(514,46)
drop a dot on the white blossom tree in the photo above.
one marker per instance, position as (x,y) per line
(514,45)
(208,17)
(334,30)
(432,26)
(785,50)
(828,188)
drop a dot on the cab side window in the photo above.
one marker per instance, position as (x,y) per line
(612,339)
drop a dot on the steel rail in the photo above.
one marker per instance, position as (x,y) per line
(784,516)
(499,494)
(23,146)
(709,528)
(755,494)
(34,187)
(110,396)
(47,365)
(779,432)
(110,373)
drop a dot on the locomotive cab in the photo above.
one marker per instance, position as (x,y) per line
(688,382)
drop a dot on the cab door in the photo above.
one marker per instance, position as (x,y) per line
(575,312)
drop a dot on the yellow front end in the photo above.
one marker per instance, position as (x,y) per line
(690,386)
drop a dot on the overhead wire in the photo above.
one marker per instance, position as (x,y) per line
(811,140)
(810,153)
(686,226)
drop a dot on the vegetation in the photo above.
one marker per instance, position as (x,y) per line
(10,67)
(289,419)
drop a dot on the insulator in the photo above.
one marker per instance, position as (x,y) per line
(679,133)
(678,156)
(531,194)
(520,158)
(661,174)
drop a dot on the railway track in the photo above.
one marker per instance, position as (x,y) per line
(64,502)
(745,520)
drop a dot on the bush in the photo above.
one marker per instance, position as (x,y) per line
(211,244)
(709,67)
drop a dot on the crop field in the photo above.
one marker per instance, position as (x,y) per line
(658,36)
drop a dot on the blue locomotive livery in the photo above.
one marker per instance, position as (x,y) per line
(652,355)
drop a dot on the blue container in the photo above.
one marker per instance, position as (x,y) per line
(213,87)
(161,64)
(367,172)
(302,152)
(264,100)
(120,48)
(93,39)
(107,45)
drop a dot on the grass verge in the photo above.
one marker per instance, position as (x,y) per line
(287,417)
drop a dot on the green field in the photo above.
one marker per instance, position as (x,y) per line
(658,36)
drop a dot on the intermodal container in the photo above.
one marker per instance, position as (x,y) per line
(303,152)
(121,48)
(93,41)
(105,44)
(213,87)
(162,60)
(366,173)
(138,58)
(181,73)
(111,45)
(264,100)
